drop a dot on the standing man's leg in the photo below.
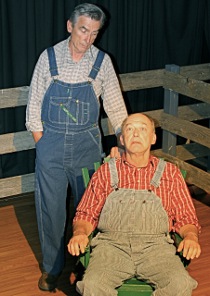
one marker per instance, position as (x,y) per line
(85,151)
(50,198)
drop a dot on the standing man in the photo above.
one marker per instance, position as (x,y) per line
(62,114)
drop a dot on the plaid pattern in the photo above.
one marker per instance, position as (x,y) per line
(106,84)
(173,192)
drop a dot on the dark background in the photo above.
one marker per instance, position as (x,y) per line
(140,35)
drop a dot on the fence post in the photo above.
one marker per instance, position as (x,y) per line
(171,107)
(208,158)
(1,172)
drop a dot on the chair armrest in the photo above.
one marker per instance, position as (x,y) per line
(177,240)
(85,257)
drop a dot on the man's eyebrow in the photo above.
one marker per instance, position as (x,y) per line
(127,124)
(83,27)
(142,123)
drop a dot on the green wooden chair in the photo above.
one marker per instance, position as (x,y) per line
(131,287)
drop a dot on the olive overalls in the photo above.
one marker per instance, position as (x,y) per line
(133,240)
(71,140)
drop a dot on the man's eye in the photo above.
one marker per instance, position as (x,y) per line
(129,129)
(83,30)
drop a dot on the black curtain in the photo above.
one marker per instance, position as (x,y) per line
(140,35)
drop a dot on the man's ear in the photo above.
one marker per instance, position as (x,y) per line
(121,140)
(69,26)
(154,139)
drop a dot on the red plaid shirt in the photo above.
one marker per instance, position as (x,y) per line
(173,192)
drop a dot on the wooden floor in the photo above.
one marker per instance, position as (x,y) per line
(20,251)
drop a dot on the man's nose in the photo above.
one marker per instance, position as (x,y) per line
(88,38)
(136,132)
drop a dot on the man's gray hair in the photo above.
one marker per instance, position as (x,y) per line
(90,10)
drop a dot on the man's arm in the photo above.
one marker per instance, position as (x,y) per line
(186,222)
(39,84)
(113,101)
(189,245)
(81,231)
(89,209)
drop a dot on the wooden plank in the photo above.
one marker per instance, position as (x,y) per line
(186,129)
(194,176)
(154,78)
(141,80)
(13,97)
(190,151)
(16,185)
(187,86)
(189,112)
(199,72)
(192,112)
(14,142)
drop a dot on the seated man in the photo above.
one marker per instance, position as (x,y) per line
(135,201)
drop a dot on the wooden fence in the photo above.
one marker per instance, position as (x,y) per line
(173,119)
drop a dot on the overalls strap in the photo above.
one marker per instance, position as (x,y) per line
(54,69)
(52,62)
(158,173)
(114,174)
(96,67)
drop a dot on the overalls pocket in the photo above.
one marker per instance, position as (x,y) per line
(64,110)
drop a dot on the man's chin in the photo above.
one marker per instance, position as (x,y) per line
(84,48)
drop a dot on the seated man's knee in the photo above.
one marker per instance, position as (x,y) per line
(185,284)
(94,286)
(178,284)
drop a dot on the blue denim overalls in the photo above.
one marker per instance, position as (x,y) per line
(134,241)
(71,140)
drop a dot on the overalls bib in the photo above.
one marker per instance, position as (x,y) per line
(133,240)
(71,140)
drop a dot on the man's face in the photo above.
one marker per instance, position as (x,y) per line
(83,33)
(138,134)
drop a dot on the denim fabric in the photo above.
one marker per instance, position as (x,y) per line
(71,140)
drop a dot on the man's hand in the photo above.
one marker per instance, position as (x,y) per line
(114,153)
(77,244)
(79,241)
(37,136)
(189,246)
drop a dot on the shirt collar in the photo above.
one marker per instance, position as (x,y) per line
(150,162)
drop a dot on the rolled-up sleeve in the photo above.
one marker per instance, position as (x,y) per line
(94,197)
(183,204)
(113,100)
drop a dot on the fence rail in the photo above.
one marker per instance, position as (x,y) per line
(190,81)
